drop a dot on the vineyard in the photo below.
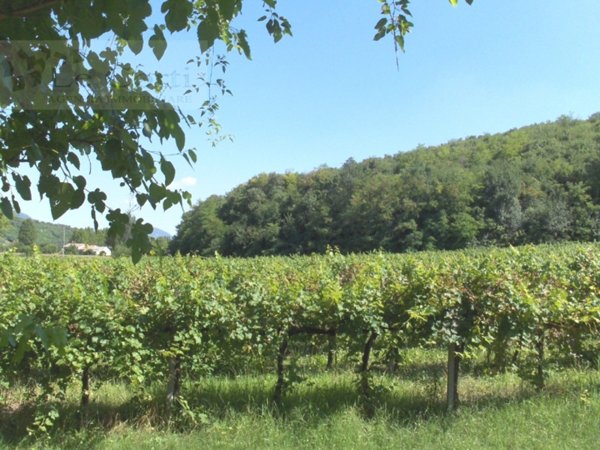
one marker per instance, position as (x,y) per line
(69,321)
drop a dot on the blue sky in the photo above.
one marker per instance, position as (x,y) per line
(331,93)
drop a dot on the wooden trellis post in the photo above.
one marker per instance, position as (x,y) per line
(453,366)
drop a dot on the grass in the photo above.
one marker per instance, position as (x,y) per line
(325,411)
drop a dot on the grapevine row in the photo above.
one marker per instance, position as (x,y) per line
(75,319)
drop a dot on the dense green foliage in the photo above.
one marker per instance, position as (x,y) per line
(68,96)
(66,319)
(27,232)
(530,185)
(49,235)
(88,236)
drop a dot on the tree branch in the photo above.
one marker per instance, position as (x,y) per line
(29,9)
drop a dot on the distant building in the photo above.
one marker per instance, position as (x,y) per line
(89,249)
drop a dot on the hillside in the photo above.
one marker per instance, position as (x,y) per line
(530,185)
(47,233)
(51,236)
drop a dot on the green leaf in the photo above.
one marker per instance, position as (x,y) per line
(73,159)
(141,199)
(156,193)
(136,45)
(382,22)
(94,218)
(228,8)
(57,336)
(243,43)
(79,181)
(77,199)
(113,149)
(22,348)
(178,13)
(400,41)
(168,170)
(41,333)
(158,43)
(23,186)
(97,198)
(140,239)
(6,207)
(15,204)
(62,200)
(274,29)
(179,137)
(208,32)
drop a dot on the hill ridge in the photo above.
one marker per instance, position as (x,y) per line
(532,184)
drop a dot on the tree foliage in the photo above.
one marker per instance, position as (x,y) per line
(27,233)
(65,100)
(532,185)
(88,236)
(3,222)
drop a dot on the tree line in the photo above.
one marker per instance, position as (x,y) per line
(529,185)
(23,234)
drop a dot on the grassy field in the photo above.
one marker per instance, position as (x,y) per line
(325,411)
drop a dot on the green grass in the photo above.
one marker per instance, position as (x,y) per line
(325,411)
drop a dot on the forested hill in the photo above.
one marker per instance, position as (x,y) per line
(535,184)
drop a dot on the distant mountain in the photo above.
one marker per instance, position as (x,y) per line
(158,233)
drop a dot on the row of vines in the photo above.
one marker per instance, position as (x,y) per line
(77,319)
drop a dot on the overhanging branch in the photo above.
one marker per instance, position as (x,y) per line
(28,9)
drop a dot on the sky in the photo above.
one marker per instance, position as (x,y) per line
(330,93)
